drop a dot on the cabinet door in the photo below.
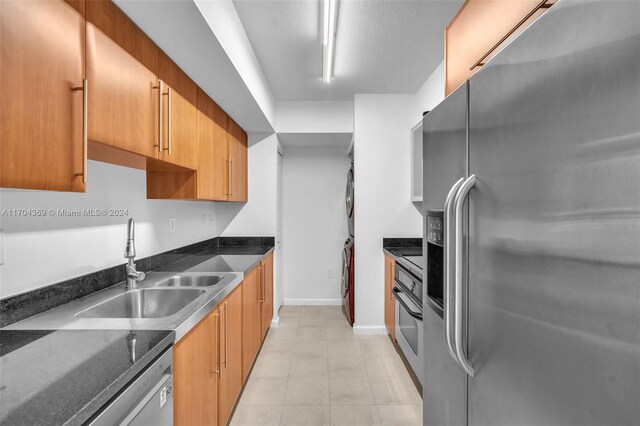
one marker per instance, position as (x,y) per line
(238,162)
(251,335)
(180,142)
(123,95)
(196,366)
(213,177)
(43,44)
(267,293)
(231,354)
(389,301)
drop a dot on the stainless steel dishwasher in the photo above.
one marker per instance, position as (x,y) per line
(147,400)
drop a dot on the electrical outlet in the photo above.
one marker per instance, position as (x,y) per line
(172,225)
(212,219)
(332,273)
(204,221)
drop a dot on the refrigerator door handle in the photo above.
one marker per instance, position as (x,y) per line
(448,314)
(458,204)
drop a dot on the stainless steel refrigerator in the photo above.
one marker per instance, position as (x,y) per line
(532,229)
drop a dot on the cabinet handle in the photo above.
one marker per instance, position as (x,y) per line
(541,5)
(260,299)
(217,351)
(264,287)
(226,333)
(159,87)
(221,340)
(229,177)
(168,95)
(85,126)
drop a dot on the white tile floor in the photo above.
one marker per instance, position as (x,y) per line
(313,370)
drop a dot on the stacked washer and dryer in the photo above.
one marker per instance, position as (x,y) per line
(348,255)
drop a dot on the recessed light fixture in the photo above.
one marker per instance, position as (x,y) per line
(329,37)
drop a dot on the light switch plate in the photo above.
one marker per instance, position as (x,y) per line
(172,225)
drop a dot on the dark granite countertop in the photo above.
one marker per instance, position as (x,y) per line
(399,247)
(66,376)
(232,258)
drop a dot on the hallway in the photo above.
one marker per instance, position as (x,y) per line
(312,370)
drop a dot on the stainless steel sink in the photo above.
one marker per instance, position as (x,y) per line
(192,281)
(144,303)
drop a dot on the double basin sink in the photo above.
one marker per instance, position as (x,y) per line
(164,299)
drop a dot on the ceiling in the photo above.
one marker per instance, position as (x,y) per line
(382,46)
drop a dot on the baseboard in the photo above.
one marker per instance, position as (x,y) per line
(300,302)
(369,329)
(275,322)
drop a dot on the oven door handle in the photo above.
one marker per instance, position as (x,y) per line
(399,298)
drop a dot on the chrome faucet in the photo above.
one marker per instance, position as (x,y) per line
(133,276)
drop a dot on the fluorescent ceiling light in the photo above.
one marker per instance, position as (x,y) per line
(328,38)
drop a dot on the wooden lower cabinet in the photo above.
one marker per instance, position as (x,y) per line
(267,293)
(251,320)
(41,112)
(196,366)
(231,354)
(211,363)
(389,300)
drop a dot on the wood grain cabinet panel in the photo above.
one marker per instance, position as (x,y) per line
(213,177)
(238,162)
(480,29)
(180,142)
(231,354)
(123,97)
(196,366)
(389,300)
(267,293)
(251,320)
(41,115)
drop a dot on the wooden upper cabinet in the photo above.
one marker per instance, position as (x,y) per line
(196,366)
(41,115)
(231,354)
(251,320)
(480,29)
(213,177)
(267,293)
(238,162)
(389,300)
(123,93)
(180,142)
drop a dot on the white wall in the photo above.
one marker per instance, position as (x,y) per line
(39,251)
(314,117)
(383,207)
(258,216)
(314,223)
(431,93)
